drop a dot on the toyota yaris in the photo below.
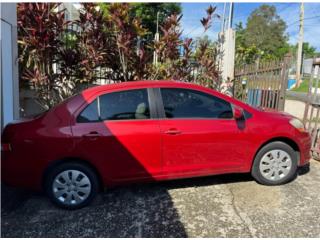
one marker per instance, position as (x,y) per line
(148,131)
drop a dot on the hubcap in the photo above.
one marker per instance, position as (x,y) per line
(275,165)
(71,187)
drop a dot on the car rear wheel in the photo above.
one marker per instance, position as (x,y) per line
(72,185)
(275,164)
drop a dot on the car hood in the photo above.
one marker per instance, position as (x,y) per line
(276,113)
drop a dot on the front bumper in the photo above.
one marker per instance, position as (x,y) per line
(305,148)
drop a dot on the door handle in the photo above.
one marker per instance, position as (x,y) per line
(92,135)
(173,132)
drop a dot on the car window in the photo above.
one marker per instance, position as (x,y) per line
(132,104)
(187,103)
(89,114)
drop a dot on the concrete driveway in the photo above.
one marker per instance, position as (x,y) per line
(218,206)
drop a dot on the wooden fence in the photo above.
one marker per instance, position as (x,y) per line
(311,117)
(262,84)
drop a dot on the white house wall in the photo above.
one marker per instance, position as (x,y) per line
(9,65)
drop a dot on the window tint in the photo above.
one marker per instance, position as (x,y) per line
(132,104)
(186,103)
(89,114)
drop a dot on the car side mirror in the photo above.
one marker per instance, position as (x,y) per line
(237,112)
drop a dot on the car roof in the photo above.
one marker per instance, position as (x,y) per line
(138,84)
(88,93)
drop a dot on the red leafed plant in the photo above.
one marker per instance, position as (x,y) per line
(40,27)
(198,65)
(60,57)
(128,32)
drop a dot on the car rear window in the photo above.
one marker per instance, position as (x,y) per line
(125,105)
(122,105)
(90,113)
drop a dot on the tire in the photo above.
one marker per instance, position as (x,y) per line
(275,164)
(71,185)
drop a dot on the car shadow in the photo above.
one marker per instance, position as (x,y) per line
(12,198)
(304,169)
(135,210)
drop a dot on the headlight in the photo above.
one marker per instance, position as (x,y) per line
(297,124)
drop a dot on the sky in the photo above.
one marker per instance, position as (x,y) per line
(289,12)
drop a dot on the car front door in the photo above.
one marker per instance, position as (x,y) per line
(199,134)
(118,132)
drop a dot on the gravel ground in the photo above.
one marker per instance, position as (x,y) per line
(219,206)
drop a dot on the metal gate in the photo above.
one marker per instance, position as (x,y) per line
(263,84)
(312,109)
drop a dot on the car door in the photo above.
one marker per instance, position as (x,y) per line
(199,133)
(118,132)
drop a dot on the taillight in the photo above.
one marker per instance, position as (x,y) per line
(5,147)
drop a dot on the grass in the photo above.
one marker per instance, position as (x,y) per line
(304,86)
(292,98)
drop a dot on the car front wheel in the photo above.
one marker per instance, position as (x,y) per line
(275,164)
(72,185)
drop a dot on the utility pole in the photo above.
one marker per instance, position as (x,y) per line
(221,37)
(223,17)
(230,15)
(227,51)
(300,47)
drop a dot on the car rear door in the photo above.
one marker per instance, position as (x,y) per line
(119,133)
(199,134)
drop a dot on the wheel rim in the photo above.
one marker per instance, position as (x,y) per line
(71,187)
(275,165)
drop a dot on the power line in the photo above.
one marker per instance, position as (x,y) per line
(308,18)
(287,5)
(284,8)
(196,27)
(315,10)
(192,30)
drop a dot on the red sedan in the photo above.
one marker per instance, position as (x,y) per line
(148,131)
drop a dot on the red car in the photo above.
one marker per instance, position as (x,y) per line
(148,131)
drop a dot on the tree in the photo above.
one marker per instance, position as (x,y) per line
(245,54)
(266,30)
(307,50)
(263,38)
(148,13)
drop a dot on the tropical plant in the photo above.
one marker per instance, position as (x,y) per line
(40,26)
(59,57)
(179,59)
(127,31)
(94,42)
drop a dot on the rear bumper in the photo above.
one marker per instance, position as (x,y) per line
(16,174)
